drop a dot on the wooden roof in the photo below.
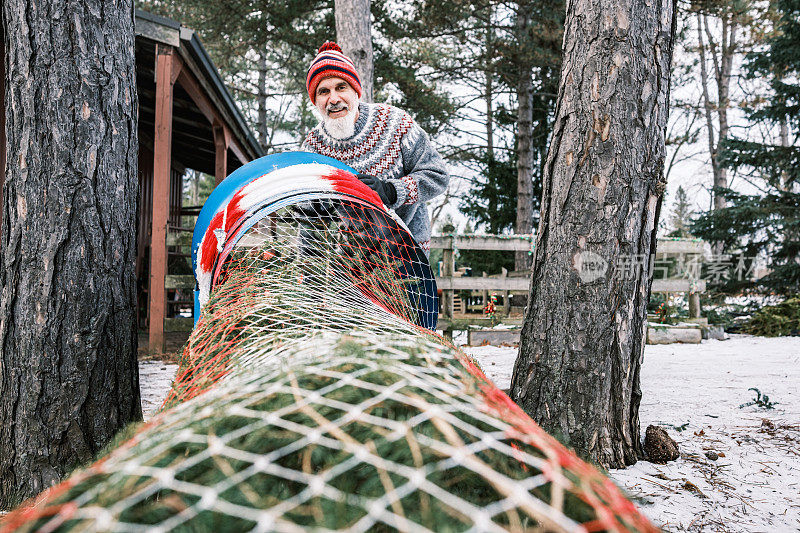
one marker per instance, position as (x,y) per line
(200,99)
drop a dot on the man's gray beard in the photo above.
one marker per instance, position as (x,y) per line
(342,127)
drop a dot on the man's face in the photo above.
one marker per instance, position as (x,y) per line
(337,105)
(335,97)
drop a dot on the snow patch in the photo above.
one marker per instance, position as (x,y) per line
(155,380)
(694,392)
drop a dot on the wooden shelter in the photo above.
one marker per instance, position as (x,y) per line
(187,120)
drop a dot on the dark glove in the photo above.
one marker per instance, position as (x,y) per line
(385,190)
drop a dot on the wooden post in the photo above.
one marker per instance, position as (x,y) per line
(506,295)
(485,294)
(222,139)
(166,75)
(448,271)
(694,305)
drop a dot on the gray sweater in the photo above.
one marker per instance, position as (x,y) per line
(387,143)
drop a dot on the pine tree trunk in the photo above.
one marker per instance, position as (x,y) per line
(68,307)
(786,179)
(721,55)
(263,134)
(719,175)
(728,48)
(488,96)
(488,92)
(582,341)
(354,35)
(524,223)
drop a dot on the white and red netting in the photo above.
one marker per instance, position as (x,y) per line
(309,341)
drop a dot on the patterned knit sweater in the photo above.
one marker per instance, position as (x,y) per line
(387,143)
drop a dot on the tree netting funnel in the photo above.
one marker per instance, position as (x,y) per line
(312,395)
(316,218)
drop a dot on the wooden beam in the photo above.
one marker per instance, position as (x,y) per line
(462,322)
(157,32)
(481,284)
(237,150)
(207,107)
(524,242)
(682,246)
(448,269)
(222,139)
(678,285)
(694,305)
(162,160)
(484,242)
(177,68)
(218,104)
(450,283)
(179,281)
(195,92)
(179,324)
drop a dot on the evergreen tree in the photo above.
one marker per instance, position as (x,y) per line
(492,200)
(264,48)
(68,372)
(582,338)
(681,217)
(482,48)
(768,223)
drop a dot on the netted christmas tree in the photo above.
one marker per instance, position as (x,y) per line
(310,396)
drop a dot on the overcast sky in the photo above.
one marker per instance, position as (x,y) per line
(692,167)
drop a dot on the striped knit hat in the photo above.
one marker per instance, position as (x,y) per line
(330,61)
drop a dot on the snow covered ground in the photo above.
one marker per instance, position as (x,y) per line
(155,379)
(694,391)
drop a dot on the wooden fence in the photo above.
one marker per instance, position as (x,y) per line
(509,283)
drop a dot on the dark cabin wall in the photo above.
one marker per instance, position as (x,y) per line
(145,209)
(145,219)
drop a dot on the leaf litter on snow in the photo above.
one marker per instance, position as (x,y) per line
(739,465)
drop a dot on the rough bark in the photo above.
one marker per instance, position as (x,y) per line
(718,172)
(2,113)
(488,92)
(524,223)
(263,134)
(723,69)
(68,374)
(786,179)
(354,35)
(583,334)
(722,61)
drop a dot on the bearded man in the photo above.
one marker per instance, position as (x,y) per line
(390,152)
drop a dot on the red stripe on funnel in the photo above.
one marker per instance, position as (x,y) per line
(347,183)
(231,215)
(234,210)
(208,249)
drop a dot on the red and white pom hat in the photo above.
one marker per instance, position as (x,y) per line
(331,61)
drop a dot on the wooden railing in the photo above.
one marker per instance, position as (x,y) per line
(519,282)
(508,283)
(449,283)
